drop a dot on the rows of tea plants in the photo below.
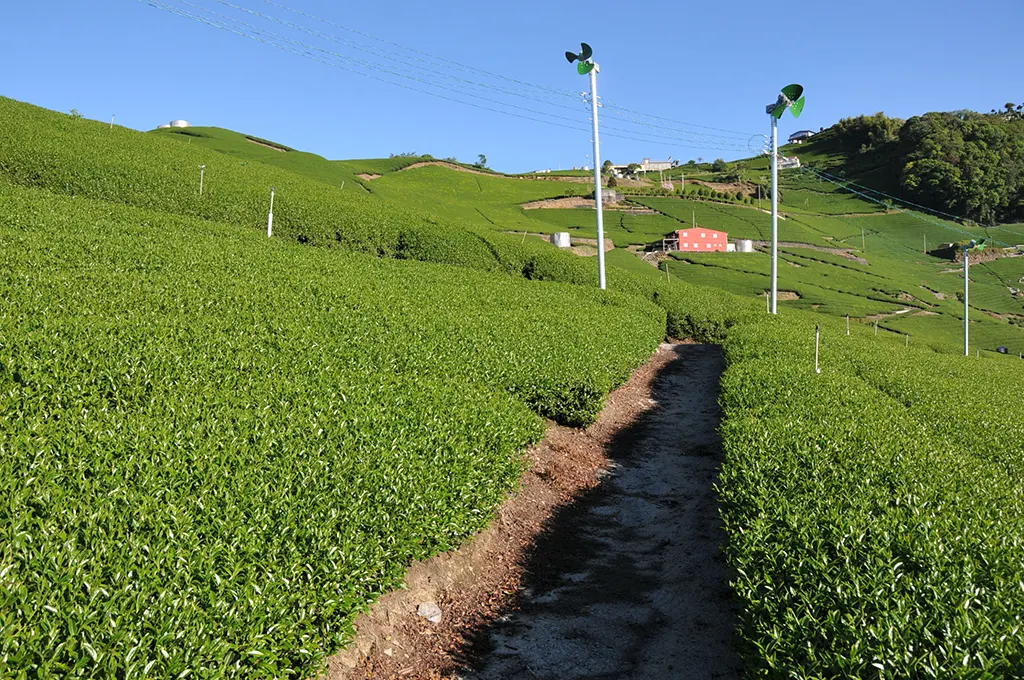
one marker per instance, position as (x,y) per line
(76,157)
(874,510)
(215,449)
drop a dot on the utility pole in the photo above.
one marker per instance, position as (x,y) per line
(270,215)
(588,66)
(967,330)
(775,215)
(597,180)
(980,245)
(790,98)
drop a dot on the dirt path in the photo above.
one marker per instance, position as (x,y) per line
(629,582)
(664,538)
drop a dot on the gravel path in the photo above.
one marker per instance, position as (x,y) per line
(629,582)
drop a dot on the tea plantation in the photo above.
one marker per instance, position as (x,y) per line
(217,448)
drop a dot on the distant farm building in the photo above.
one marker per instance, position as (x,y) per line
(646,165)
(800,136)
(787,162)
(699,240)
(655,166)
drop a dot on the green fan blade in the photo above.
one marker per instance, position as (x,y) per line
(585,53)
(793,92)
(570,56)
(584,67)
(797,107)
(778,111)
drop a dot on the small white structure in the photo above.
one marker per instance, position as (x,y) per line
(654,166)
(561,239)
(788,162)
(163,127)
(800,136)
(745,245)
(730,248)
(180,124)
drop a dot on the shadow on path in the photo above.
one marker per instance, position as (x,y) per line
(629,581)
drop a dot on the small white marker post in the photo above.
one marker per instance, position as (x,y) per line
(908,340)
(817,336)
(847,324)
(270,215)
(111,121)
(343,185)
(876,326)
(202,169)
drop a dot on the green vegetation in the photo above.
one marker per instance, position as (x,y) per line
(965,163)
(217,448)
(873,510)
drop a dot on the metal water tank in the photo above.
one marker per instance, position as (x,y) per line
(745,245)
(180,124)
(561,239)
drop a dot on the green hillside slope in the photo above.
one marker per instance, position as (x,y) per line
(217,448)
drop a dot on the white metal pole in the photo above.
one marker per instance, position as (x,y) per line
(270,215)
(112,122)
(597,181)
(847,324)
(817,335)
(775,215)
(967,348)
(202,169)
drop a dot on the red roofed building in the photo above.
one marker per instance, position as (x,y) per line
(701,240)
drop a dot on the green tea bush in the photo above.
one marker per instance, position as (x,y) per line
(216,449)
(874,510)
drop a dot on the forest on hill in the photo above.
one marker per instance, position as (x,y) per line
(966,163)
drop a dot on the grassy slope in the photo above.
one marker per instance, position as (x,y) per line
(814,462)
(818,213)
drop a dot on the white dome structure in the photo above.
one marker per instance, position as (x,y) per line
(180,124)
(163,127)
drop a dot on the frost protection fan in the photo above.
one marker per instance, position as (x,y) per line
(586,65)
(790,98)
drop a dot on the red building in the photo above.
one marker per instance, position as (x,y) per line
(702,240)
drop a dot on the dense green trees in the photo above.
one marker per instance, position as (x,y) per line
(967,163)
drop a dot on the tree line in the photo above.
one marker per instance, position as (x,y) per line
(962,162)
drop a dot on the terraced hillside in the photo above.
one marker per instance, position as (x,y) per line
(217,447)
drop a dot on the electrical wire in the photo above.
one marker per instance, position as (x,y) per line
(474,69)
(653,134)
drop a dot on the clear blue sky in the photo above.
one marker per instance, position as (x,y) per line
(713,64)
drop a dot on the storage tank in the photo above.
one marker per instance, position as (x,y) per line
(180,124)
(745,245)
(561,239)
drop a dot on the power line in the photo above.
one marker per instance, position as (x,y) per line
(659,136)
(719,141)
(894,198)
(474,69)
(846,185)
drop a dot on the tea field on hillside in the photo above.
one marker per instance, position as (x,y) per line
(218,448)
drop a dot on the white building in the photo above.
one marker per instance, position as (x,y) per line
(800,136)
(655,166)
